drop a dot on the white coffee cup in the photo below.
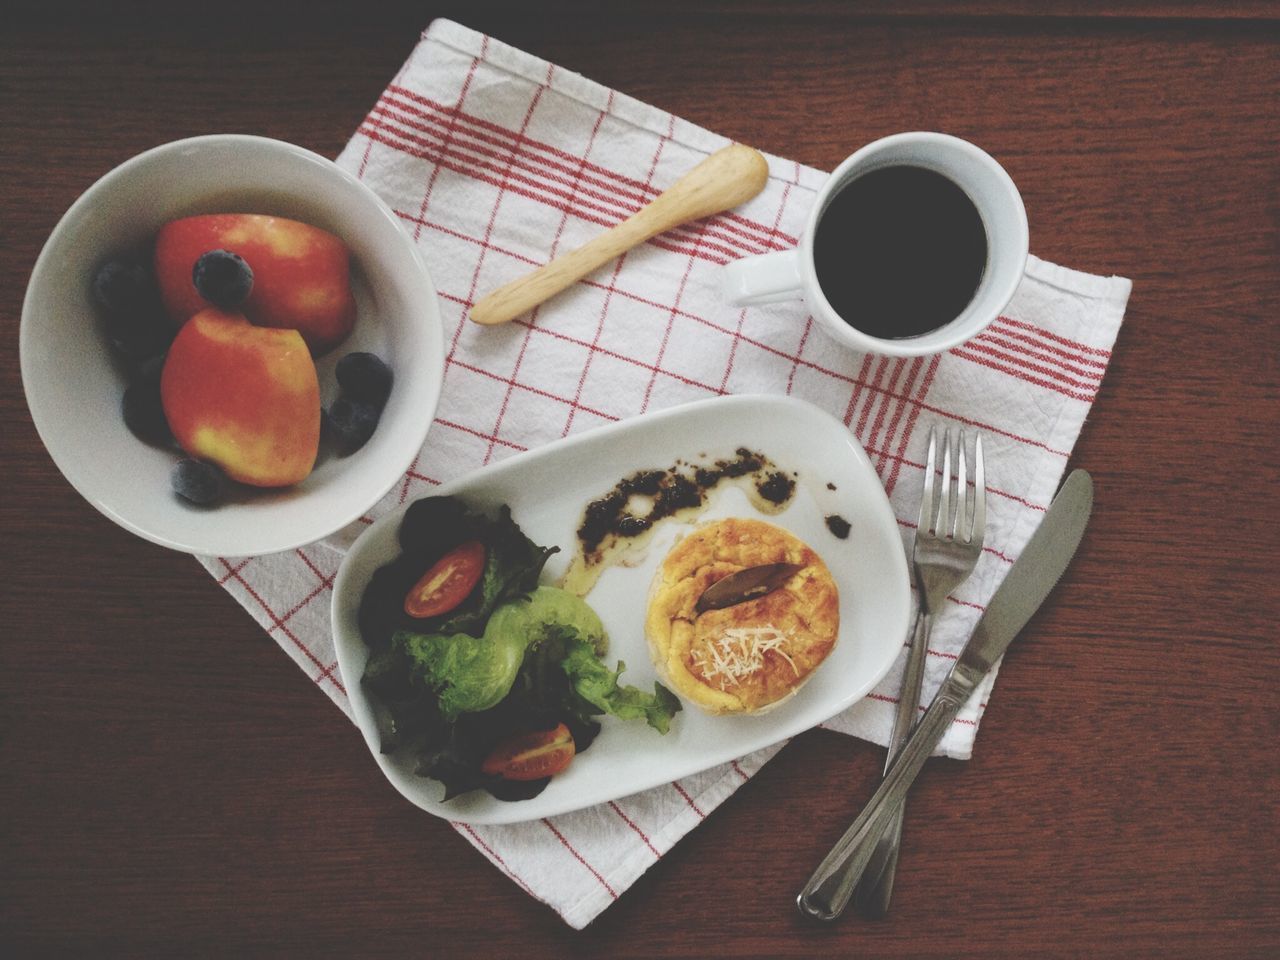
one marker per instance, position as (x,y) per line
(790,274)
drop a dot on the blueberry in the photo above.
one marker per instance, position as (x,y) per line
(351,423)
(123,287)
(151,369)
(142,409)
(199,482)
(222,278)
(129,308)
(363,376)
(138,336)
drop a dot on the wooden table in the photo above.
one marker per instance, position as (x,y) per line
(173,786)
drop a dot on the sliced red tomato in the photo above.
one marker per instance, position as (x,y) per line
(447,583)
(531,756)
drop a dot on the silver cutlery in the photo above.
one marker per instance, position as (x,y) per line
(948,543)
(1029,581)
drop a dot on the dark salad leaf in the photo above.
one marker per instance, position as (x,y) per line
(406,711)
(512,566)
(431,528)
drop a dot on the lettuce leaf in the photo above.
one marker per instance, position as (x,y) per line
(544,610)
(598,685)
(469,674)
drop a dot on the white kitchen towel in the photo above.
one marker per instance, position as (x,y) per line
(496,161)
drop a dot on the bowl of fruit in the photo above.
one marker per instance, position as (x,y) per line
(231,347)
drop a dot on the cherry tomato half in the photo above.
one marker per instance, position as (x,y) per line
(447,583)
(531,756)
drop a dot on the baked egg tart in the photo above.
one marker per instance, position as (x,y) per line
(750,656)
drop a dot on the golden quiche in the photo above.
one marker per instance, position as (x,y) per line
(749,656)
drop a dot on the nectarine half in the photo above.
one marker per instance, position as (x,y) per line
(243,397)
(301,274)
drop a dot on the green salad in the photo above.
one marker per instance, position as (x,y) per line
(489,679)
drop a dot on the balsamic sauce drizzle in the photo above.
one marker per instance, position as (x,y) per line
(679,487)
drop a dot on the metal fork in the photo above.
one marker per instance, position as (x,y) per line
(947,546)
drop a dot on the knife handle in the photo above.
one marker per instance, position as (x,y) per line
(829,890)
(875,886)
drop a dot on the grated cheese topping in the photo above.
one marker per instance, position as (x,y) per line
(739,652)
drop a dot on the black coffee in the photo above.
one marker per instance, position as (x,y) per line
(900,252)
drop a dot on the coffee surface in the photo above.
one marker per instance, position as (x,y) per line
(900,252)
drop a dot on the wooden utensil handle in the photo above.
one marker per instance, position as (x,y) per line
(724,180)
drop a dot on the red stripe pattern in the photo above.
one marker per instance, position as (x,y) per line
(495,161)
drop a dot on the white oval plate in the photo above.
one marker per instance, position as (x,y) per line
(548,489)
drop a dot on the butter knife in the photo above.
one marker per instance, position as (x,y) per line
(1024,588)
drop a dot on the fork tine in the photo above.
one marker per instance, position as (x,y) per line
(927,506)
(962,494)
(945,520)
(977,531)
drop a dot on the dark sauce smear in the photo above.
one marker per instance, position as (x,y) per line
(839,526)
(678,487)
(776,488)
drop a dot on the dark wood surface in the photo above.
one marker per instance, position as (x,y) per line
(174,786)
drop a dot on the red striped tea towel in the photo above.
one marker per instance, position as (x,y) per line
(496,161)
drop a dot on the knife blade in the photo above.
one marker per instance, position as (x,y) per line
(746,585)
(1025,587)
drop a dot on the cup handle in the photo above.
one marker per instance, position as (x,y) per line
(766,278)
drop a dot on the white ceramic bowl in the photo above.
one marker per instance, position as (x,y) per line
(74,384)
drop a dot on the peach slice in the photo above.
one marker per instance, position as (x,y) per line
(301,274)
(243,397)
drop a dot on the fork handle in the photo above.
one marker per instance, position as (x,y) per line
(829,890)
(875,886)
